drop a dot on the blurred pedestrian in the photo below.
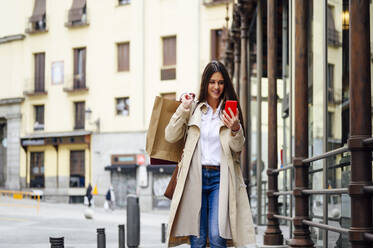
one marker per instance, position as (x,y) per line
(88,194)
(210,202)
(110,198)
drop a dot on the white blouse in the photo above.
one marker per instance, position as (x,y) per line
(210,139)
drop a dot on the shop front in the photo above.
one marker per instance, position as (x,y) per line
(161,174)
(57,164)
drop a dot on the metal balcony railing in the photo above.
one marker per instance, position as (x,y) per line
(34,86)
(76,83)
(334,37)
(84,21)
(37,27)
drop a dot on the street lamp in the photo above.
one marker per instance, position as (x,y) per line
(88,116)
(345,19)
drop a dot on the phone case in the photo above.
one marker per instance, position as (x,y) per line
(231,104)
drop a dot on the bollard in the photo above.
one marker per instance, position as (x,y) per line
(163,239)
(101,240)
(56,242)
(133,221)
(122,239)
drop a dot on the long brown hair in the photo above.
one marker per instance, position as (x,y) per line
(228,93)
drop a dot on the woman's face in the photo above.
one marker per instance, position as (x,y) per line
(215,86)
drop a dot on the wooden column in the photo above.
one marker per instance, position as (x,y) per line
(301,237)
(273,235)
(360,123)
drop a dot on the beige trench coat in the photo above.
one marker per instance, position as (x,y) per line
(235,220)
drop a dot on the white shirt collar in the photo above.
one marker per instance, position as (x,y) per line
(206,108)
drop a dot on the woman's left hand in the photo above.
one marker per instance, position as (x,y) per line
(231,122)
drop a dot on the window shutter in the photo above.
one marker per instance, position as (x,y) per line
(83,72)
(41,117)
(123,57)
(120,57)
(42,71)
(169,51)
(217,44)
(77,163)
(76,10)
(79,115)
(39,72)
(213,45)
(39,114)
(333,35)
(76,65)
(39,11)
(36,72)
(220,43)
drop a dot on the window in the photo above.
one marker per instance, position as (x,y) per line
(79,68)
(124,56)
(330,83)
(169,51)
(77,13)
(37,170)
(39,72)
(37,22)
(123,106)
(77,169)
(217,44)
(39,117)
(79,115)
(168,72)
(124,2)
(171,96)
(333,34)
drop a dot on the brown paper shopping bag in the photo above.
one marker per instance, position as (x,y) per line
(156,144)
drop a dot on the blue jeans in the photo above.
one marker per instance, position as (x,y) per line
(209,212)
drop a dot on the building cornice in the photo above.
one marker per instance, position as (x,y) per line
(7,101)
(10,38)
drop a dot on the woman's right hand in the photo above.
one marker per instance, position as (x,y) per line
(186,100)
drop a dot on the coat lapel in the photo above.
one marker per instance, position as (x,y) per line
(195,119)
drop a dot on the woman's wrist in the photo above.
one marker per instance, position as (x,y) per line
(235,131)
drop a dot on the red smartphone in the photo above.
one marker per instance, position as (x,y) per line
(232,105)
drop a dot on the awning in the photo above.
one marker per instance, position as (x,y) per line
(121,167)
(164,168)
(39,139)
(59,134)
(39,11)
(76,10)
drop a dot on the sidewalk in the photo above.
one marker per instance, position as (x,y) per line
(25,227)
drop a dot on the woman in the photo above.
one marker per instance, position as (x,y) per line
(210,203)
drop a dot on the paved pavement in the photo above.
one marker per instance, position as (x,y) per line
(22,225)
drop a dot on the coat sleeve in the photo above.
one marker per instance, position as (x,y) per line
(176,127)
(236,142)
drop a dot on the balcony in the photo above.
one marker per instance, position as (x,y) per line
(76,84)
(77,18)
(34,87)
(36,27)
(334,37)
(168,73)
(38,126)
